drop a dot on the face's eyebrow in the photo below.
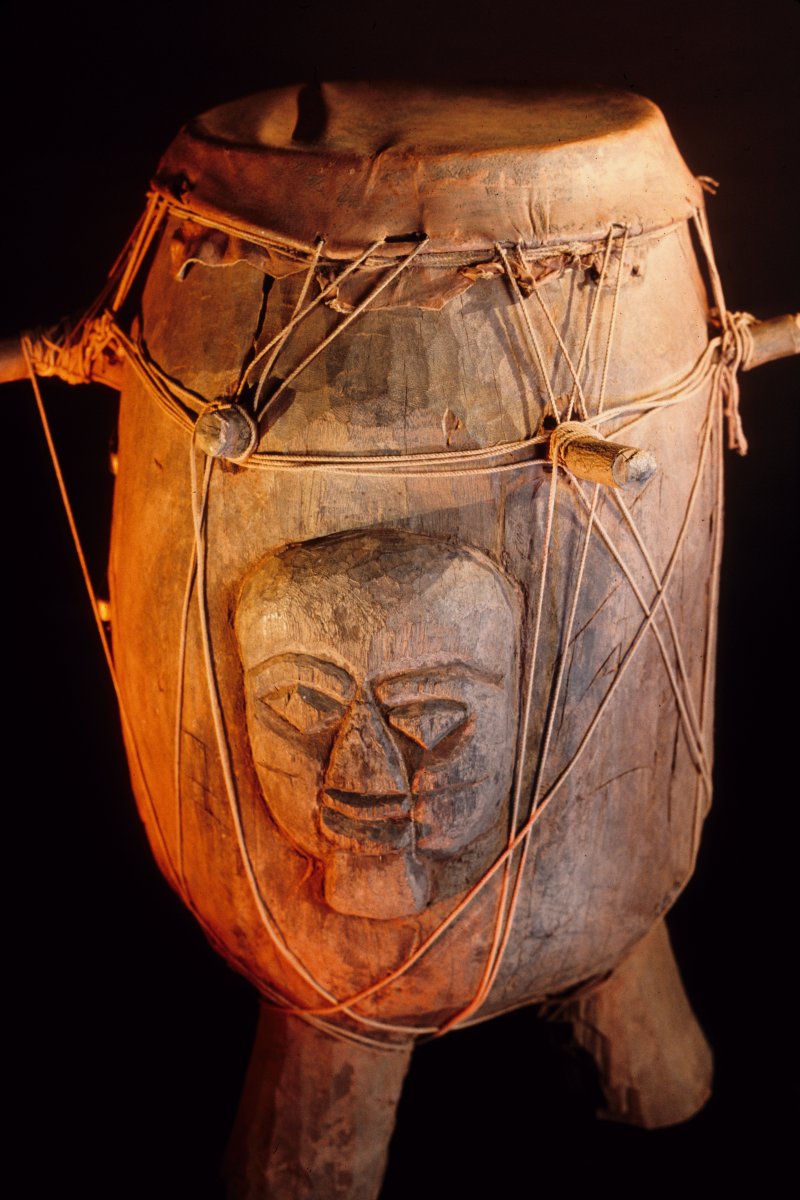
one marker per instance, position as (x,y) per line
(308,662)
(441,671)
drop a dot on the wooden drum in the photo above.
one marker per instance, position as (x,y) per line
(414,568)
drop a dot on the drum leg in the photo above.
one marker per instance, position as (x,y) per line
(316,1115)
(654,1062)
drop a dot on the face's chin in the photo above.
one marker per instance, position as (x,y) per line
(380,887)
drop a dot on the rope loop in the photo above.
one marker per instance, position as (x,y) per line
(737,342)
(735,353)
(564,434)
(77,352)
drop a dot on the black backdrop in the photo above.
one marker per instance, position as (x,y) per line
(131,1036)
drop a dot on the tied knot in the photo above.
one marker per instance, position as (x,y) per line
(226,430)
(564,434)
(578,447)
(78,353)
(735,354)
(737,340)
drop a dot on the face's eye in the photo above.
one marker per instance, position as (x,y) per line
(305,708)
(427,722)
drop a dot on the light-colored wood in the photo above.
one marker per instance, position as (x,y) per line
(776,338)
(588,456)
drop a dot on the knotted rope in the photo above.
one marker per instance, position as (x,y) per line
(737,344)
(735,354)
(76,353)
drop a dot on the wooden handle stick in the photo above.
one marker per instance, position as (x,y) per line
(12,361)
(776,338)
(582,451)
(94,357)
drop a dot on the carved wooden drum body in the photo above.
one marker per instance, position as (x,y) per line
(419,723)
(414,568)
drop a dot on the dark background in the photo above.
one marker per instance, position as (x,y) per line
(130,1036)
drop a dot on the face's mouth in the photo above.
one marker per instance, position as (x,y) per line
(373,823)
(367,807)
(378,823)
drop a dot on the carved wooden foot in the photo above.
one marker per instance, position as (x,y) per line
(654,1062)
(316,1115)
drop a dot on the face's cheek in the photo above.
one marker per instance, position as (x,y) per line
(290,771)
(461,789)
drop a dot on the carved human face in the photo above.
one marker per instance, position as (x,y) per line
(380,680)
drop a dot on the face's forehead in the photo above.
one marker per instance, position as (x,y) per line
(378,604)
(463,615)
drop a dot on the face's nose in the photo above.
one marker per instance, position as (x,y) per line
(364,760)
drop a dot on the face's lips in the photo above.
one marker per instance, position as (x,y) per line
(374,821)
(367,806)
(380,821)
(384,834)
